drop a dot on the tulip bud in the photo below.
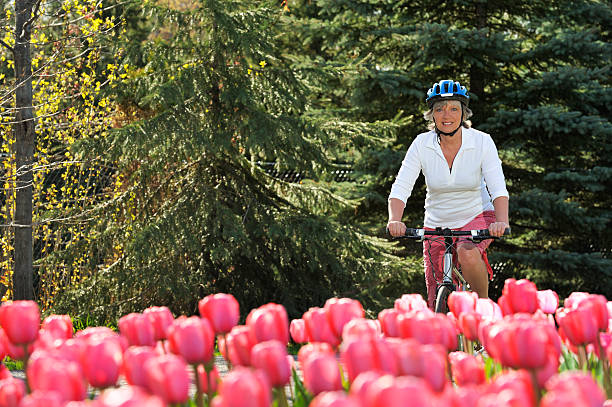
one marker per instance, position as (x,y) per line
(322,373)
(167,376)
(243,384)
(127,396)
(47,373)
(405,391)
(466,369)
(361,327)
(269,322)
(192,338)
(297,329)
(161,318)
(138,329)
(134,359)
(209,382)
(221,310)
(318,328)
(360,355)
(11,392)
(519,297)
(578,325)
(60,326)
(548,301)
(360,386)
(42,399)
(388,322)
(314,348)
(271,358)
(239,343)
(488,309)
(340,311)
(411,302)
(462,301)
(468,324)
(572,388)
(428,328)
(20,321)
(333,399)
(102,361)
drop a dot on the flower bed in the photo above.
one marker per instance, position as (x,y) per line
(521,351)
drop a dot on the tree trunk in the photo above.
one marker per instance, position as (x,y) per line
(24,152)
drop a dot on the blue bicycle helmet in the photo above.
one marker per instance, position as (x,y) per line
(447,90)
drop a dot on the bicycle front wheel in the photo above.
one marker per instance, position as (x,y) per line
(441,304)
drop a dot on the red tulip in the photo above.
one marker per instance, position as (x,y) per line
(167,376)
(209,382)
(512,389)
(127,396)
(318,328)
(388,322)
(522,342)
(243,384)
(269,322)
(519,296)
(578,325)
(467,369)
(134,359)
(361,327)
(428,328)
(459,396)
(360,386)
(361,355)
(20,321)
(60,326)
(222,310)
(548,301)
(424,361)
(4,372)
(102,361)
(411,302)
(271,358)
(46,373)
(192,338)
(333,399)
(488,309)
(161,318)
(297,329)
(572,388)
(239,343)
(462,301)
(314,348)
(322,373)
(138,329)
(11,392)
(405,391)
(468,324)
(340,311)
(549,369)
(42,399)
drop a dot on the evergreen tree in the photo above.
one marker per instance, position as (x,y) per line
(538,74)
(194,212)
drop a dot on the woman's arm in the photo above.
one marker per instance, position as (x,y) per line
(501,216)
(396,210)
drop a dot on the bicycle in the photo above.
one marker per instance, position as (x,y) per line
(447,285)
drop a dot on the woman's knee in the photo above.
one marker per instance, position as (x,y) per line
(469,256)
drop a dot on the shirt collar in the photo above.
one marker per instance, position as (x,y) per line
(467,141)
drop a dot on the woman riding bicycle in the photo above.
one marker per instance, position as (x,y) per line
(465,186)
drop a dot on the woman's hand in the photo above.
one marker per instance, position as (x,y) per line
(498,228)
(396,228)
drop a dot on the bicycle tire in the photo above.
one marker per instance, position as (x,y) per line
(441,304)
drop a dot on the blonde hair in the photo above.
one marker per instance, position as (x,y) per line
(428,115)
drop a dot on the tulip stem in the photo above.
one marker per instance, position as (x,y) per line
(536,386)
(466,345)
(582,358)
(607,382)
(281,396)
(199,398)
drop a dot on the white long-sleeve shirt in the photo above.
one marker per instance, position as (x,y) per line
(454,196)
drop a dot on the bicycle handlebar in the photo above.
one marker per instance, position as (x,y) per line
(477,234)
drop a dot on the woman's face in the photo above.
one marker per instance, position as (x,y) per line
(447,115)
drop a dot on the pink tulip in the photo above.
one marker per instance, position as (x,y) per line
(20,321)
(361,355)
(243,384)
(42,399)
(138,329)
(519,296)
(321,373)
(548,370)
(46,373)
(466,369)
(221,310)
(297,329)
(333,399)
(127,396)
(424,361)
(428,328)
(360,386)
(574,299)
(488,309)
(340,311)
(11,392)
(388,322)
(167,376)
(522,342)
(161,318)
(578,325)
(60,326)
(209,382)
(15,352)
(572,388)
(102,331)
(411,302)
(4,372)
(468,324)
(314,348)
(269,322)
(102,361)
(361,327)
(405,391)
(548,301)
(459,396)
(318,328)
(239,343)
(514,388)
(504,398)
(462,301)
(192,338)
(271,358)
(134,359)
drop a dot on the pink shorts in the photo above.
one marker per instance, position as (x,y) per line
(433,252)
